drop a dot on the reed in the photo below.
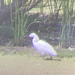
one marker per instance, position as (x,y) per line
(20,25)
(57,7)
(22,22)
(66,21)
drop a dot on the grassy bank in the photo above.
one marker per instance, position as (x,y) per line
(24,65)
(28,62)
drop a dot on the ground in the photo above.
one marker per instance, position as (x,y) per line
(23,65)
(26,61)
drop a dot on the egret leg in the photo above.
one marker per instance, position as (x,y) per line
(47,58)
(50,57)
(43,55)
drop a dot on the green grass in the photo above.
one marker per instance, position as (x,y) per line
(28,62)
(30,51)
(24,65)
(65,53)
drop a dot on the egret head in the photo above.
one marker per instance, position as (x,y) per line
(33,35)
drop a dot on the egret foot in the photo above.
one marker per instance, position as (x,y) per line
(51,59)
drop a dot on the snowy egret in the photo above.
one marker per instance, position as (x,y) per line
(42,46)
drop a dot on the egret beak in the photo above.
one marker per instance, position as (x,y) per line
(30,35)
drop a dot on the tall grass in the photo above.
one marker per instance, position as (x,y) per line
(57,7)
(66,9)
(66,21)
(41,7)
(20,24)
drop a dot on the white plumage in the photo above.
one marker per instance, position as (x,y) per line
(42,46)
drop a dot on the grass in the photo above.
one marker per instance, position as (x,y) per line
(28,62)
(24,65)
(65,53)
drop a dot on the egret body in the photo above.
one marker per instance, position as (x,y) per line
(42,46)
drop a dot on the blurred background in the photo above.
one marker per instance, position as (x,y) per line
(52,20)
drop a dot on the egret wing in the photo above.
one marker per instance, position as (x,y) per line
(43,46)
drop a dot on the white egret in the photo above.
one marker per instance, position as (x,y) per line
(42,46)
